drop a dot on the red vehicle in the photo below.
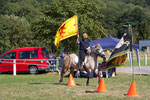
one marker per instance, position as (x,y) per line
(27,60)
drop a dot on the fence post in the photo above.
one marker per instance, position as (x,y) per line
(14,67)
(131,63)
(138,59)
(145,59)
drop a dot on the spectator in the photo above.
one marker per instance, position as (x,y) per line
(102,66)
(104,63)
(54,53)
(62,55)
(52,62)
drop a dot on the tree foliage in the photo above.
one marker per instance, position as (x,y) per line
(35,22)
(15,32)
(56,13)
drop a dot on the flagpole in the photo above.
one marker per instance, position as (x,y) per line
(131,49)
(78,45)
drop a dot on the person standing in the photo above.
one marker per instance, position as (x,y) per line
(83,47)
(62,55)
(54,53)
(52,62)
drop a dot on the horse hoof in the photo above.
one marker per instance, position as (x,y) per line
(60,81)
(87,84)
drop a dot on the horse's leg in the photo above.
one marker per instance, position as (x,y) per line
(72,71)
(63,71)
(61,74)
(99,76)
(88,76)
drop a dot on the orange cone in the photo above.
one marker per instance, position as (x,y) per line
(71,81)
(132,90)
(101,87)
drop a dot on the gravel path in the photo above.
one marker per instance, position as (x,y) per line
(144,70)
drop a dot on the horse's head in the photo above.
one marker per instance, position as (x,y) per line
(98,50)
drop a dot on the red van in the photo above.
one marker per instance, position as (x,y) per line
(27,60)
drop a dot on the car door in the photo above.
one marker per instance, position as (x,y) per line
(6,63)
(24,59)
(23,56)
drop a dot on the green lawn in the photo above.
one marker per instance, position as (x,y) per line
(135,63)
(46,87)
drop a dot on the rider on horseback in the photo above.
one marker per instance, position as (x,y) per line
(83,47)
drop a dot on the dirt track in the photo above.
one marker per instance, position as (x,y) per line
(144,70)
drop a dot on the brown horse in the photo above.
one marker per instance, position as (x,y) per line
(90,62)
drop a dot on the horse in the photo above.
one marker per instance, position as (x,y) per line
(90,63)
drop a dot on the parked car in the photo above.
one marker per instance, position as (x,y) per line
(26,60)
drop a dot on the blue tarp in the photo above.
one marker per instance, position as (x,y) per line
(109,43)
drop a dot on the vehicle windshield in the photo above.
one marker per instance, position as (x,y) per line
(11,55)
(44,52)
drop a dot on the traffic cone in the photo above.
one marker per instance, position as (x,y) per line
(71,81)
(101,87)
(132,90)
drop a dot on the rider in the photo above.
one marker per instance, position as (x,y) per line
(83,47)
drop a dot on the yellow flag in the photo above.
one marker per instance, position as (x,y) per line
(66,30)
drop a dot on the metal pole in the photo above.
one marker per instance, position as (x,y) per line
(131,49)
(14,67)
(131,63)
(78,46)
(138,60)
(130,32)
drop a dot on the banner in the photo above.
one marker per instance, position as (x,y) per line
(66,30)
(119,55)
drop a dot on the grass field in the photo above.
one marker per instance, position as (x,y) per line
(135,63)
(46,87)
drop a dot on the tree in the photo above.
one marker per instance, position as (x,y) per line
(60,10)
(15,32)
(37,21)
(30,9)
(136,2)
(134,17)
(144,30)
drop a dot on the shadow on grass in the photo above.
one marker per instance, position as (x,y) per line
(22,73)
(35,83)
(63,84)
(91,92)
(138,96)
(145,74)
(58,83)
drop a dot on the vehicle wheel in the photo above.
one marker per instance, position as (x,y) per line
(33,70)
